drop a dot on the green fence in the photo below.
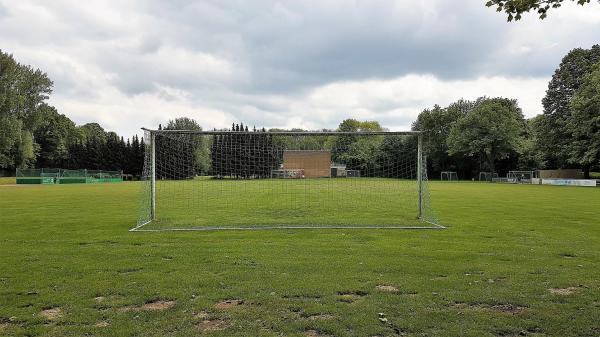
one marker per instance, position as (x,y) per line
(64,176)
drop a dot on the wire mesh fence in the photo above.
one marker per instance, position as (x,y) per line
(66,176)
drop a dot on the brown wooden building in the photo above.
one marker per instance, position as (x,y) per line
(316,164)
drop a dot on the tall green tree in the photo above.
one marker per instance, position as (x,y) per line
(554,133)
(22,92)
(515,8)
(492,130)
(584,124)
(358,153)
(436,124)
(54,135)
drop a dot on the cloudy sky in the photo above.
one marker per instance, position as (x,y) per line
(128,64)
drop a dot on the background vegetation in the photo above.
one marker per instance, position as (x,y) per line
(487,134)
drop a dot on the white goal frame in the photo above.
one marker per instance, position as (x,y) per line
(420,168)
(520,177)
(449,175)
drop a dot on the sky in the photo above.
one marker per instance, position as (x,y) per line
(288,64)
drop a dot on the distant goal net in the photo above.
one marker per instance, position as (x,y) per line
(448,176)
(200,180)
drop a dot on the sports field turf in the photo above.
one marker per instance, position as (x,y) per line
(514,261)
(210,203)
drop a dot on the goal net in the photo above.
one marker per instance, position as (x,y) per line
(520,177)
(449,176)
(200,180)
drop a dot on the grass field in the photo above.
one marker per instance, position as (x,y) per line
(209,203)
(8,180)
(516,260)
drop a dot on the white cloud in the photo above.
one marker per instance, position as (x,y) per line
(298,63)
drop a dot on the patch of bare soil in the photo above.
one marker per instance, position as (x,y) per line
(52,313)
(212,325)
(102,324)
(387,288)
(228,304)
(320,317)
(150,306)
(563,291)
(313,333)
(504,308)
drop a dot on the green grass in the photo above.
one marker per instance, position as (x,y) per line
(64,245)
(205,203)
(8,180)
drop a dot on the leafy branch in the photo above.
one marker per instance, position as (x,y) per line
(515,8)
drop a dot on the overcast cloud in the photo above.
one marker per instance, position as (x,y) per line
(128,64)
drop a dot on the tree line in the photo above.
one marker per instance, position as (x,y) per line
(252,155)
(491,134)
(34,134)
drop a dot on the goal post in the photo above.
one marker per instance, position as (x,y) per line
(199,180)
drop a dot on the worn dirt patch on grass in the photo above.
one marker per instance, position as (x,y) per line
(150,306)
(102,324)
(52,313)
(503,308)
(564,291)
(228,304)
(387,288)
(313,333)
(212,325)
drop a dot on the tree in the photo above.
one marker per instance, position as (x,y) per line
(531,157)
(22,92)
(554,135)
(54,135)
(358,153)
(436,124)
(491,130)
(515,8)
(584,124)
(180,149)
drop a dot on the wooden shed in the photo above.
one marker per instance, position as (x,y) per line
(316,164)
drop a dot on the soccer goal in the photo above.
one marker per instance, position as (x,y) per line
(201,180)
(448,176)
(520,177)
(488,176)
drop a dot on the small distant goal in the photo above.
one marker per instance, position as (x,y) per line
(448,176)
(488,176)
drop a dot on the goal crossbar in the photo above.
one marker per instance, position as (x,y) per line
(287,133)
